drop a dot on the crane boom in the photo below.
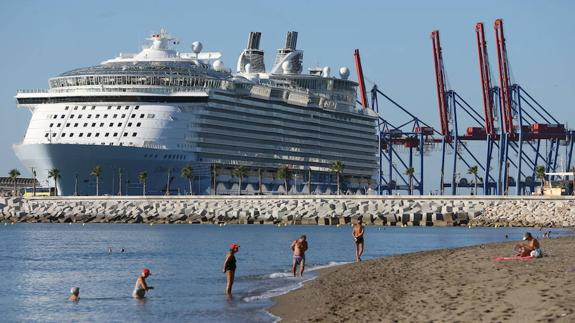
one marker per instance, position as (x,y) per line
(441,88)
(504,81)
(485,73)
(360,81)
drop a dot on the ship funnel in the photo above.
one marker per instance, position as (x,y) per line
(289,54)
(252,55)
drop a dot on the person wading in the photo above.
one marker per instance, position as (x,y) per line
(230,267)
(299,247)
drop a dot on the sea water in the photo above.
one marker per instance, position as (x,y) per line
(39,263)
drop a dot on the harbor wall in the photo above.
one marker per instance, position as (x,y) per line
(304,209)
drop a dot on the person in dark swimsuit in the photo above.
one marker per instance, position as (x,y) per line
(357,233)
(230,267)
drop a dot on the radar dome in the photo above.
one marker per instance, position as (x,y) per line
(248,68)
(286,67)
(197,47)
(344,72)
(218,65)
(325,72)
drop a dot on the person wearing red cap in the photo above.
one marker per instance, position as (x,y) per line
(141,286)
(230,267)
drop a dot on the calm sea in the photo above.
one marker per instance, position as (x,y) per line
(39,263)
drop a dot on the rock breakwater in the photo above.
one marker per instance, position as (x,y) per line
(321,210)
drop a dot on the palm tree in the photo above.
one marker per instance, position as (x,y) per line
(409,172)
(260,182)
(55,174)
(284,173)
(14,173)
(215,171)
(97,172)
(240,172)
(168,182)
(34,182)
(573,171)
(143,178)
(540,172)
(187,172)
(337,167)
(473,170)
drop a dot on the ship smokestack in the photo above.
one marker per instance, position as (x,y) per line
(252,55)
(289,59)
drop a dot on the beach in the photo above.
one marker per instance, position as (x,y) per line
(463,284)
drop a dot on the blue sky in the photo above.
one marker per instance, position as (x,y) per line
(45,38)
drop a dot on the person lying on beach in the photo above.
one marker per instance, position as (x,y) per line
(230,267)
(299,247)
(357,233)
(74,294)
(530,247)
(141,286)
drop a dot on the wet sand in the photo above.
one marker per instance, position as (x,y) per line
(464,284)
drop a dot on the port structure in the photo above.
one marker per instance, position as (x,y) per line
(453,108)
(527,128)
(413,136)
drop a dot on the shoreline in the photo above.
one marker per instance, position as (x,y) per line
(459,284)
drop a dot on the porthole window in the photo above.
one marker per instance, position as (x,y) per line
(85,124)
(105,116)
(137,107)
(129,124)
(115,134)
(127,107)
(67,108)
(89,116)
(101,124)
(62,116)
(63,134)
(46,135)
(107,134)
(71,116)
(93,107)
(71,135)
(56,116)
(125,134)
(58,125)
(97,116)
(75,125)
(109,107)
(123,115)
(79,116)
(119,124)
(67,125)
(138,124)
(75,108)
(141,116)
(93,124)
(97,134)
(81,134)
(118,108)
(53,135)
(51,125)
(115,116)
(134,134)
(111,124)
(133,115)
(84,108)
(89,134)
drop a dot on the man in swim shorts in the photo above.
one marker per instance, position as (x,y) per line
(299,247)
(357,233)
(141,286)
(531,247)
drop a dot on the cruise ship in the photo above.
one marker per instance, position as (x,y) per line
(160,110)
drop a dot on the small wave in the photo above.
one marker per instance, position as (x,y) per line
(277,291)
(280,275)
(330,264)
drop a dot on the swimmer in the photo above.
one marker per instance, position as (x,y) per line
(141,286)
(230,267)
(122,250)
(74,294)
(109,249)
(299,247)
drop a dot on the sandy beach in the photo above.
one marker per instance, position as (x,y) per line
(456,285)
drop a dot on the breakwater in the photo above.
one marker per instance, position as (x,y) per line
(321,210)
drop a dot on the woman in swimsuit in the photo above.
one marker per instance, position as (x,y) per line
(230,267)
(141,286)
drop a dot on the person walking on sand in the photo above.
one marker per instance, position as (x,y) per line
(141,286)
(357,233)
(230,267)
(299,247)
(530,248)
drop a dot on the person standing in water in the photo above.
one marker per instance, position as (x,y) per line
(74,294)
(230,267)
(141,286)
(299,247)
(357,233)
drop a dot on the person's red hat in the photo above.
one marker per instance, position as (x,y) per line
(146,272)
(234,246)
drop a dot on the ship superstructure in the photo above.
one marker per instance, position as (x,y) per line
(159,110)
